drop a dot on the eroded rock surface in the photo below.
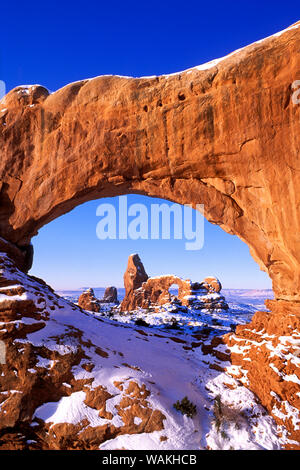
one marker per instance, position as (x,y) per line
(265,355)
(110,295)
(156,290)
(88,301)
(225,134)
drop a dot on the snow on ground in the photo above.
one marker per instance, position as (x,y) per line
(170,372)
(170,363)
(243,303)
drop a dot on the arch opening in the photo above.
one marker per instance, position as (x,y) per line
(173,290)
(85,261)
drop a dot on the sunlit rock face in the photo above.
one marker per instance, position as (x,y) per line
(110,295)
(225,134)
(156,290)
(88,301)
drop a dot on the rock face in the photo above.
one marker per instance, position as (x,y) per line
(155,290)
(135,274)
(212,284)
(34,373)
(267,355)
(110,295)
(22,257)
(88,301)
(225,134)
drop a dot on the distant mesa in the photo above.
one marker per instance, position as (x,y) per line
(143,291)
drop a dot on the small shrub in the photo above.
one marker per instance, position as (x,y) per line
(186,407)
(173,325)
(218,412)
(226,416)
(141,322)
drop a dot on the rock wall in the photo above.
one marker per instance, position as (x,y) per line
(225,134)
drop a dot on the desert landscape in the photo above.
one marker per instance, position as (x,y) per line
(199,368)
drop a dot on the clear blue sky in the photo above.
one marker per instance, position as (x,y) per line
(54,43)
(69,255)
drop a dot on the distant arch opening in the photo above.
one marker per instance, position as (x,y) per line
(70,257)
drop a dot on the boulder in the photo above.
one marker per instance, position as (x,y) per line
(88,301)
(110,295)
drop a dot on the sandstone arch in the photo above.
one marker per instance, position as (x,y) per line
(155,290)
(143,291)
(224,135)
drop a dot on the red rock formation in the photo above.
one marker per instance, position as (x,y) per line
(265,351)
(88,301)
(212,284)
(155,290)
(22,258)
(268,351)
(135,273)
(110,295)
(32,375)
(225,135)
(134,277)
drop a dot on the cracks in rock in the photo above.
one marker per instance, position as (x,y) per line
(213,76)
(166,141)
(239,210)
(17,179)
(246,142)
(252,187)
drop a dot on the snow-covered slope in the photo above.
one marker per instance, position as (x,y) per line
(79,381)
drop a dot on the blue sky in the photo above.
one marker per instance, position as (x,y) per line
(68,253)
(54,43)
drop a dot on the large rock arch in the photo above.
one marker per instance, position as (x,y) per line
(225,135)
